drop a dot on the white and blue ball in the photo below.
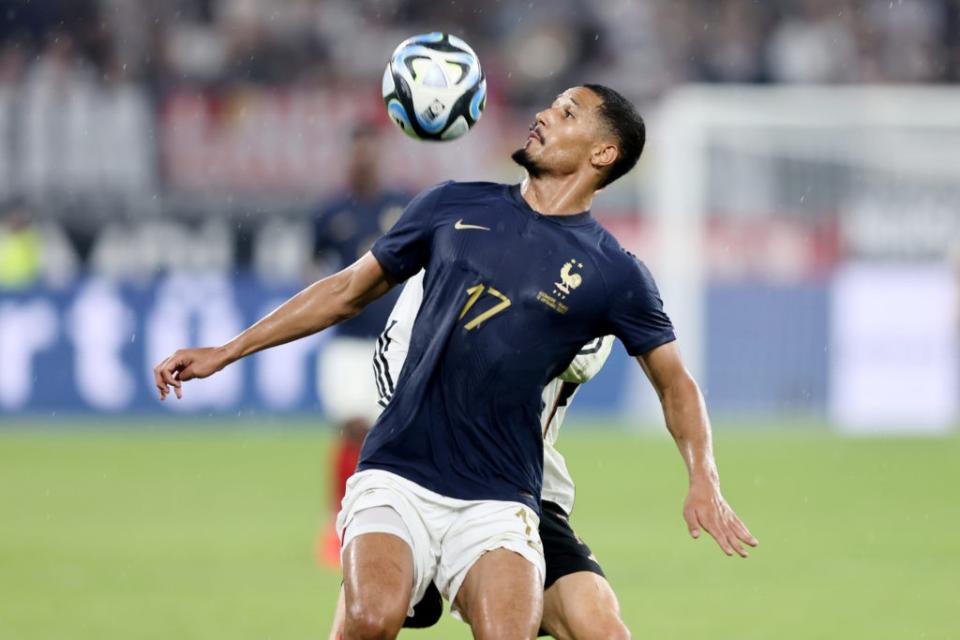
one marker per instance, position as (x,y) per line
(433,87)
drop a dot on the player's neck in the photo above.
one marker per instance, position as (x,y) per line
(558,195)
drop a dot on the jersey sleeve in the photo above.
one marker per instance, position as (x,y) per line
(405,248)
(636,314)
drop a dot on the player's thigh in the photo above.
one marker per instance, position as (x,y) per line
(388,558)
(578,600)
(501,597)
(582,606)
(377,583)
(491,568)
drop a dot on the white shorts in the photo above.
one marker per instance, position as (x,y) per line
(345,380)
(446,536)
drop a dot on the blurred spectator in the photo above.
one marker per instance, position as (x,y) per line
(83,83)
(903,40)
(20,248)
(731,48)
(13,61)
(814,43)
(717,40)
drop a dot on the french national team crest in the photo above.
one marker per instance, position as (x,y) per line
(570,279)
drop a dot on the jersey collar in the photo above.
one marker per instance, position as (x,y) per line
(583,217)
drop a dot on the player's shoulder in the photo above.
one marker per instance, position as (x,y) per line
(619,262)
(452,196)
(454,190)
(607,245)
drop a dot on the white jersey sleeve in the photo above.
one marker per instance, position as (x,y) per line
(589,360)
(558,484)
(394,342)
(391,351)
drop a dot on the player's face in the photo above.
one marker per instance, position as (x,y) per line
(365,151)
(362,169)
(564,136)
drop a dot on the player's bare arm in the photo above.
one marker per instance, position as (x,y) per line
(321,305)
(686,417)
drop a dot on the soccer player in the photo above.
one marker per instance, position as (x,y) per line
(518,279)
(344,229)
(578,601)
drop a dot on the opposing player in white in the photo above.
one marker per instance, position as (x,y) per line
(578,601)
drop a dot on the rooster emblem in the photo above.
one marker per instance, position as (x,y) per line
(569,280)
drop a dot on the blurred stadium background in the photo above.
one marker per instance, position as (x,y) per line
(799,202)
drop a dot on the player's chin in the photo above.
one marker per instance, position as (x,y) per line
(525,159)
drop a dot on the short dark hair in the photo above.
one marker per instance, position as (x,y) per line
(620,116)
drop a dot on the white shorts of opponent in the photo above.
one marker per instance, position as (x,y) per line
(446,536)
(345,380)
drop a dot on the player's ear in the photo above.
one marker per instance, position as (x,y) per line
(603,155)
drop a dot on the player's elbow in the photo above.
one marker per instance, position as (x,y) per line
(680,389)
(345,301)
(357,286)
(346,309)
(340,309)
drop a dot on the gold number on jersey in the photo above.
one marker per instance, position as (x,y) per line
(475,292)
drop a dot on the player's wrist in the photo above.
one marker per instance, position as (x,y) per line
(228,353)
(705,479)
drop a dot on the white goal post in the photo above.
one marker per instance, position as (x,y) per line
(884,164)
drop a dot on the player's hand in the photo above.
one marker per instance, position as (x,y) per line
(187,364)
(705,508)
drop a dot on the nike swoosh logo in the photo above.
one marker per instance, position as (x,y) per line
(459,226)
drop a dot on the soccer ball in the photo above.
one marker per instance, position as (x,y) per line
(433,87)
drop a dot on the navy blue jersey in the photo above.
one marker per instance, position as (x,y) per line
(346,227)
(510,297)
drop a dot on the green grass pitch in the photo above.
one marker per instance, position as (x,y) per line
(167,533)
